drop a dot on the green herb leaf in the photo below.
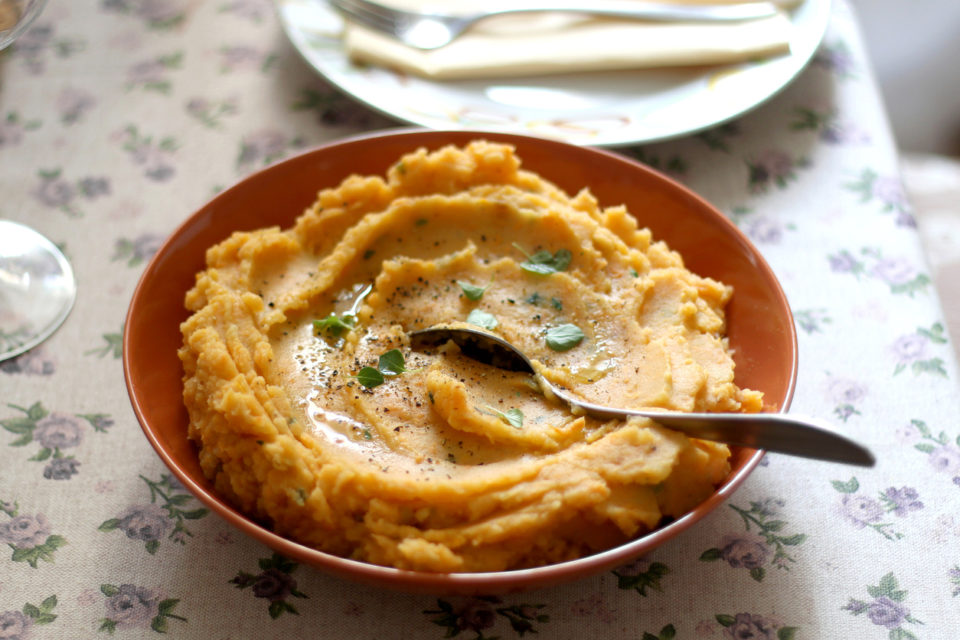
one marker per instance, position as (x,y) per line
(392,363)
(543,262)
(333,325)
(483,319)
(472,291)
(564,337)
(557,303)
(370,377)
(513,417)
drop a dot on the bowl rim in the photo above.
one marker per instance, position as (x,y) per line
(463,583)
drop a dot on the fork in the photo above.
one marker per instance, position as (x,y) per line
(434,30)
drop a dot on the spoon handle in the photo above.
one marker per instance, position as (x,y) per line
(794,435)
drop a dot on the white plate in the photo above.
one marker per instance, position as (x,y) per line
(604,109)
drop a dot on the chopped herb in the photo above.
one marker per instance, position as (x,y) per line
(557,304)
(420,222)
(370,377)
(367,435)
(564,337)
(401,168)
(472,291)
(543,262)
(368,254)
(634,272)
(513,417)
(392,363)
(533,298)
(483,319)
(335,326)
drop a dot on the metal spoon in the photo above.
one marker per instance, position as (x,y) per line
(806,437)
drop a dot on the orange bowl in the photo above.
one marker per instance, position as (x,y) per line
(760,324)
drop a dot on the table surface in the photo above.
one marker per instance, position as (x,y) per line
(119,118)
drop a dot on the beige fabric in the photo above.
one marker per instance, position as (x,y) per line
(549,43)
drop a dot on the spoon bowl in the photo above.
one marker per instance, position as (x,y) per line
(793,435)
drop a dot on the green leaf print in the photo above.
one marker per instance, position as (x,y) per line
(850,486)
(641,576)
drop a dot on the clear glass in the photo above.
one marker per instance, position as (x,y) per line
(37,288)
(16,16)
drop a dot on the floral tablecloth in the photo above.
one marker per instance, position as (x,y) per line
(118,118)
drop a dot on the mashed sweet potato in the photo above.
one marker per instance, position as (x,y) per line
(312,413)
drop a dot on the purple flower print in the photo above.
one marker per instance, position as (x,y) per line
(11,133)
(843,133)
(129,606)
(146,245)
(274,584)
(910,348)
(25,532)
(146,152)
(909,434)
(145,522)
(32,363)
(61,468)
(54,191)
(894,271)
(34,39)
(844,262)
(39,40)
(242,57)
(856,606)
(905,219)
(262,146)
(886,608)
(771,166)
(254,10)
(132,606)
(59,431)
(146,71)
(160,11)
(475,615)
(158,14)
(946,459)
(94,187)
(72,104)
(765,230)
(14,625)
(836,58)
(886,613)
(890,192)
(861,510)
(769,507)
(954,575)
(903,500)
(747,626)
(845,394)
(635,568)
(152,74)
(844,390)
(744,550)
(211,112)
(138,250)
(57,192)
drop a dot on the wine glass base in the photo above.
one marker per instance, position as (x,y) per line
(37,289)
